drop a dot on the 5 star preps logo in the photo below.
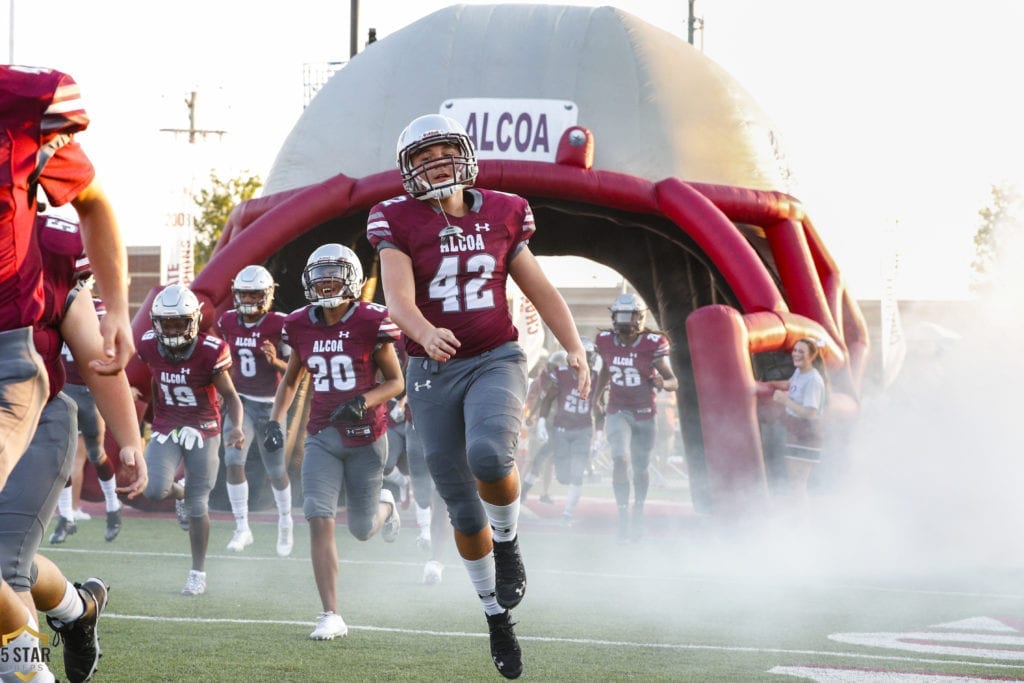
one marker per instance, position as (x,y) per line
(26,649)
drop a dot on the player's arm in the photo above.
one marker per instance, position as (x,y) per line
(286,390)
(394,382)
(112,393)
(548,301)
(226,388)
(663,378)
(396,272)
(108,258)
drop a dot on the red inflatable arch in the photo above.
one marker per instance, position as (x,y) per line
(788,289)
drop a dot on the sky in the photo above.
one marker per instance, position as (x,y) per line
(898,116)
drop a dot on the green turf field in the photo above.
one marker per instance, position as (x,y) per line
(680,606)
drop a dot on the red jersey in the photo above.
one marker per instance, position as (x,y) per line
(64,264)
(38,106)
(339,359)
(185,395)
(630,369)
(253,376)
(571,410)
(460,264)
(71,371)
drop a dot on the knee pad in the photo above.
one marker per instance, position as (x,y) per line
(619,470)
(234,456)
(490,457)
(92,449)
(467,515)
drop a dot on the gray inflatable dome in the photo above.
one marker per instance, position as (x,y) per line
(656,106)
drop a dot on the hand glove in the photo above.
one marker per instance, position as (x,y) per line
(350,411)
(541,431)
(398,412)
(273,436)
(189,438)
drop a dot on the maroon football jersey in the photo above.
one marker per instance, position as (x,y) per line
(630,369)
(36,106)
(64,263)
(252,374)
(340,362)
(460,271)
(71,370)
(571,410)
(185,395)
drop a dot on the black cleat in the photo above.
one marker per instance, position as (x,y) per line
(113,525)
(510,574)
(81,641)
(65,527)
(508,658)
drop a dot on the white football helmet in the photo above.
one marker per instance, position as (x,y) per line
(175,315)
(253,279)
(629,313)
(557,358)
(431,130)
(332,264)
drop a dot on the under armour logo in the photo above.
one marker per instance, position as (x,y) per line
(417,386)
(483,227)
(342,334)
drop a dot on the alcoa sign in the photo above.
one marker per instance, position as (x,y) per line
(509,128)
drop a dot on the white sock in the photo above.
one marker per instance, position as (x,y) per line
(504,520)
(109,488)
(572,497)
(70,606)
(238,495)
(481,574)
(283,498)
(65,508)
(423,517)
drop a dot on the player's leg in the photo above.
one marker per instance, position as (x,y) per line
(200,474)
(275,463)
(617,431)
(236,484)
(322,477)
(641,445)
(370,507)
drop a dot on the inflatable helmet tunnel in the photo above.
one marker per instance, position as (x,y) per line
(635,151)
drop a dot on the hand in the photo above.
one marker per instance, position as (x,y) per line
(577,360)
(780,396)
(118,344)
(273,436)
(441,344)
(657,381)
(133,474)
(398,412)
(269,351)
(541,431)
(189,438)
(352,410)
(236,438)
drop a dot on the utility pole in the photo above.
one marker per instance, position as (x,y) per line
(192,131)
(693,23)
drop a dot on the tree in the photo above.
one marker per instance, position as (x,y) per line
(998,234)
(215,205)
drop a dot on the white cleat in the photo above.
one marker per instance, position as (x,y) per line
(433,573)
(196,584)
(240,540)
(329,626)
(423,540)
(285,537)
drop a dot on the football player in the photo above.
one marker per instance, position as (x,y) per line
(90,446)
(342,343)
(572,425)
(189,369)
(634,365)
(446,251)
(253,333)
(41,112)
(36,481)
